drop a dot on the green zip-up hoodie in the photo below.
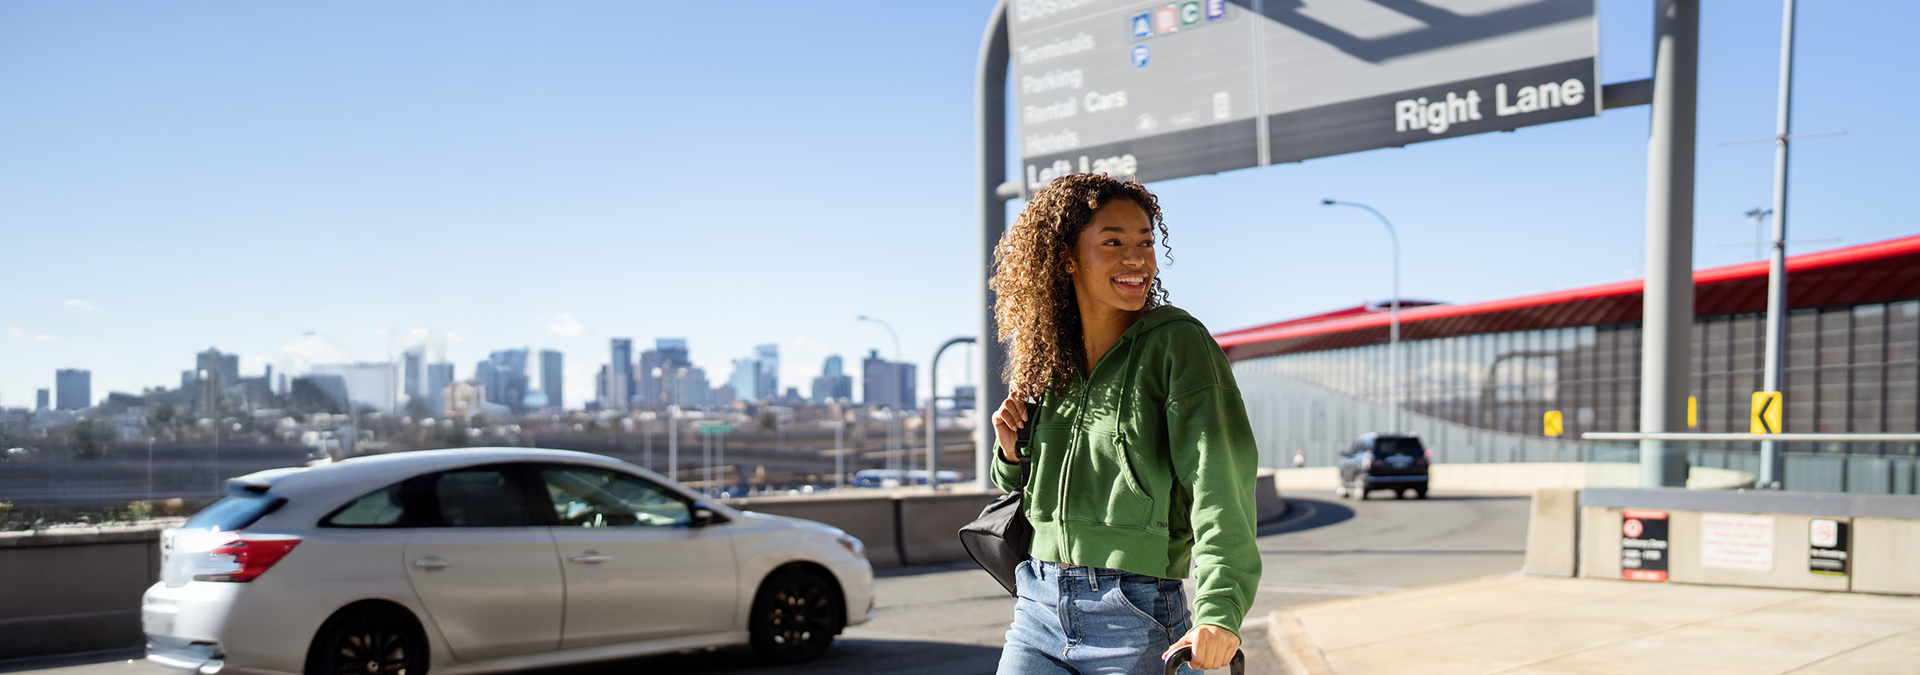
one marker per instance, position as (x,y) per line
(1148,465)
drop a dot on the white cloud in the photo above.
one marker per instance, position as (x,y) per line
(311,349)
(420,333)
(16,332)
(79,304)
(455,337)
(566,325)
(43,337)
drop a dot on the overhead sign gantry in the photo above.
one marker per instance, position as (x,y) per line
(1161,90)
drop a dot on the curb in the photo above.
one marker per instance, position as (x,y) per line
(1296,649)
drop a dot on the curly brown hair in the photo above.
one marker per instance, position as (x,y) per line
(1037,313)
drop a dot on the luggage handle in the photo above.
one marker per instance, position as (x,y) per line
(1238,665)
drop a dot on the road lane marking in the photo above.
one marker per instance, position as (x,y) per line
(1325,589)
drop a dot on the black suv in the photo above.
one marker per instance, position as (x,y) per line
(1394,462)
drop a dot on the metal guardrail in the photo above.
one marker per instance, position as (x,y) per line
(1734,436)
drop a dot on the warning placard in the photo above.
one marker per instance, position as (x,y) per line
(1736,542)
(1643,545)
(1827,547)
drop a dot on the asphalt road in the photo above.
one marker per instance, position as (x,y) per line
(952,619)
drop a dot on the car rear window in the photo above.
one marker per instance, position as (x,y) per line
(234,513)
(1398,446)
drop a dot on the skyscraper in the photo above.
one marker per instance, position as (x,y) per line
(371,385)
(620,377)
(40,401)
(73,388)
(833,384)
(668,354)
(217,375)
(413,375)
(887,384)
(439,375)
(768,384)
(746,376)
(507,378)
(551,373)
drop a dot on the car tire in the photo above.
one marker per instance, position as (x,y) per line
(1363,492)
(1402,493)
(1419,493)
(795,616)
(368,640)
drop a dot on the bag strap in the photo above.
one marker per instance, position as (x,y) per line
(1024,442)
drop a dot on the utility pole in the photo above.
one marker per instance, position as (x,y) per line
(673,442)
(840,448)
(1667,315)
(1770,460)
(1393,318)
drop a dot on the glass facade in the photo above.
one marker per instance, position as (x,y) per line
(1848,369)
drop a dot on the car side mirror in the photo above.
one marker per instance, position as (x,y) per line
(704,515)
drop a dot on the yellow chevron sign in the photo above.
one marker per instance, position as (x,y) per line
(1554,424)
(1765,418)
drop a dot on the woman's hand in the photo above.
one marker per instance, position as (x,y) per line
(1007,422)
(1213,647)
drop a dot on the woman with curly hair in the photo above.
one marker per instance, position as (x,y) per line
(1140,460)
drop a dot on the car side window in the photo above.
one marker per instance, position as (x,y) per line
(381,508)
(587,497)
(480,498)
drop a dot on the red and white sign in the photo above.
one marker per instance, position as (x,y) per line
(1736,542)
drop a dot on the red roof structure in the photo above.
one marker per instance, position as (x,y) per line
(1876,272)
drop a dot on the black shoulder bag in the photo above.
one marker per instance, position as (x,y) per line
(999,539)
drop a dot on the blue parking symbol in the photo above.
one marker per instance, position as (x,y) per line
(1142,26)
(1140,56)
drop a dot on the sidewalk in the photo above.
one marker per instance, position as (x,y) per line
(1538,625)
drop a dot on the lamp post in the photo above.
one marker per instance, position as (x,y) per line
(896,336)
(933,413)
(1393,317)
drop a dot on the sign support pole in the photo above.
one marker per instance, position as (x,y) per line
(1667,315)
(990,127)
(1770,464)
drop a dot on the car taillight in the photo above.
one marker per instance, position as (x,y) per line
(1426,457)
(243,560)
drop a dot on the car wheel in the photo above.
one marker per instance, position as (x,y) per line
(371,640)
(795,617)
(1363,492)
(1402,493)
(1420,493)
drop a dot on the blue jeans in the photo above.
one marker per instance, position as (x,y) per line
(1087,620)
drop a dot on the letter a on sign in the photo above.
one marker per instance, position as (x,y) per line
(1554,423)
(1766,412)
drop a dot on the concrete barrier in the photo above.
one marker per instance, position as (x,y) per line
(1267,502)
(930,524)
(1882,543)
(75,590)
(1522,477)
(868,516)
(1551,528)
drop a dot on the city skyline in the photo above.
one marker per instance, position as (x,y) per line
(448,158)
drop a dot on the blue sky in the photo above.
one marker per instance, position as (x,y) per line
(180,175)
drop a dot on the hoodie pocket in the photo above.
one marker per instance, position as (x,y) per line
(1103,487)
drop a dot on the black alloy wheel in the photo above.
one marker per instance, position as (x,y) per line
(368,641)
(795,617)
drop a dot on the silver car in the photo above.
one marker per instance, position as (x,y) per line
(475,560)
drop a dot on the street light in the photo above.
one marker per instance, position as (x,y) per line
(1393,316)
(896,336)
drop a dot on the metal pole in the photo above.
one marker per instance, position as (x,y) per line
(840,451)
(1771,474)
(673,443)
(720,445)
(933,412)
(896,336)
(1393,318)
(990,129)
(1667,314)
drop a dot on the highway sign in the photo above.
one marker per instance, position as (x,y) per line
(1163,89)
(1554,424)
(1765,418)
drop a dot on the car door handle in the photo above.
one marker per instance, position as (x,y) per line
(589,557)
(431,563)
